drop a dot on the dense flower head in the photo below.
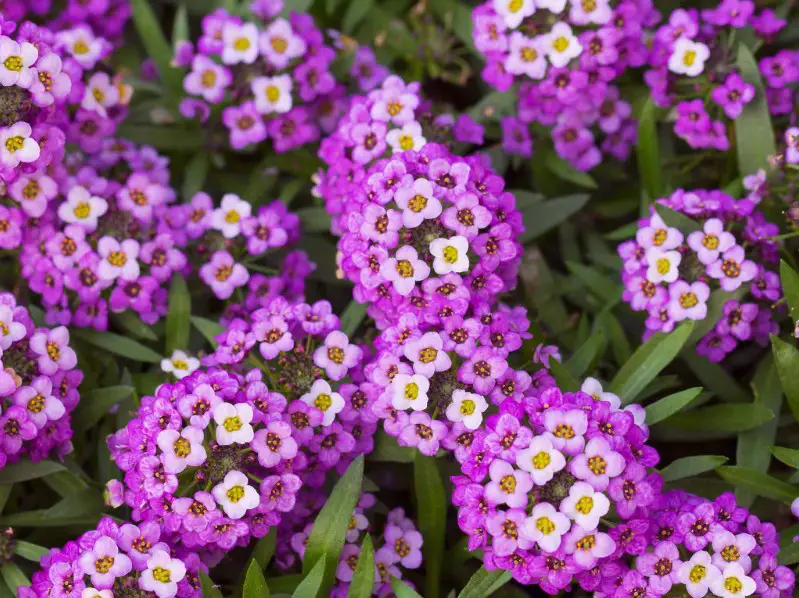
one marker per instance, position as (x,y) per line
(670,273)
(117,560)
(692,69)
(565,57)
(541,478)
(38,386)
(271,79)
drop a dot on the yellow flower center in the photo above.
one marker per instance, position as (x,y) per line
(689,58)
(404,268)
(162,575)
(663,266)
(411,391)
(542,460)
(80,47)
(508,484)
(233,424)
(467,407)
(117,258)
(323,402)
(560,44)
(272,93)
(14,144)
(545,525)
(13,63)
(182,447)
(733,585)
(208,79)
(235,494)
(279,44)
(242,44)
(82,210)
(697,573)
(450,254)
(584,505)
(232,217)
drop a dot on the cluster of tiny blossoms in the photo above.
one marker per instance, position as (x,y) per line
(38,386)
(670,273)
(397,547)
(567,55)
(540,478)
(692,69)
(116,560)
(271,79)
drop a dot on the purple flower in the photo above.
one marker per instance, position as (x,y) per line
(733,94)
(423,433)
(732,269)
(508,485)
(483,369)
(53,350)
(738,319)
(337,355)
(104,563)
(688,301)
(223,274)
(597,464)
(711,242)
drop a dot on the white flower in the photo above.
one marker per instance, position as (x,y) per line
(688,57)
(546,526)
(527,55)
(733,583)
(562,45)
(233,423)
(92,593)
(162,574)
(81,207)
(100,94)
(409,391)
(323,398)
(593,388)
(450,254)
(467,407)
(584,12)
(228,216)
(663,265)
(181,449)
(240,43)
(118,260)
(235,495)
(16,61)
(541,460)
(555,6)
(514,11)
(280,45)
(17,145)
(180,364)
(10,331)
(585,506)
(409,137)
(272,94)
(698,574)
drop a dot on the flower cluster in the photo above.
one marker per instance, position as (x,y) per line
(271,79)
(397,547)
(700,547)
(670,273)
(38,386)
(567,56)
(116,560)
(692,68)
(540,478)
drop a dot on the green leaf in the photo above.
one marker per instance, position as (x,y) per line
(209,590)
(545,215)
(587,354)
(265,548)
(786,358)
(194,175)
(668,406)
(355,13)
(208,328)
(180,28)
(330,526)
(14,576)
(133,324)
(255,584)
(312,584)
(163,137)
(790,287)
(758,482)
(600,284)
(118,345)
(484,583)
(387,449)
(22,471)
(457,16)
(725,417)
(788,456)
(431,507)
(677,219)
(403,590)
(715,378)
(790,554)
(363,578)
(149,29)
(565,379)
(690,466)
(648,361)
(753,130)
(352,317)
(298,6)
(314,220)
(178,319)
(94,406)
(565,171)
(647,151)
(31,552)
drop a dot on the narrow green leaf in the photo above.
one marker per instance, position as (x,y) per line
(208,328)
(194,175)
(587,354)
(457,16)
(565,171)
(118,345)
(647,151)
(790,554)
(725,417)
(265,548)
(758,482)
(788,456)
(312,584)
(690,466)
(94,406)
(22,471)
(598,283)
(149,29)
(790,287)
(786,358)
(565,379)
(619,343)
(133,324)
(543,216)
(431,505)
(484,583)
(355,13)
(65,483)
(180,28)
(31,552)
(209,590)
(363,578)
(41,518)
(677,219)
(352,317)
(330,527)
(314,220)
(298,6)
(753,130)
(648,361)
(14,576)
(715,378)
(387,449)
(255,584)
(178,319)
(403,590)
(668,406)
(163,137)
